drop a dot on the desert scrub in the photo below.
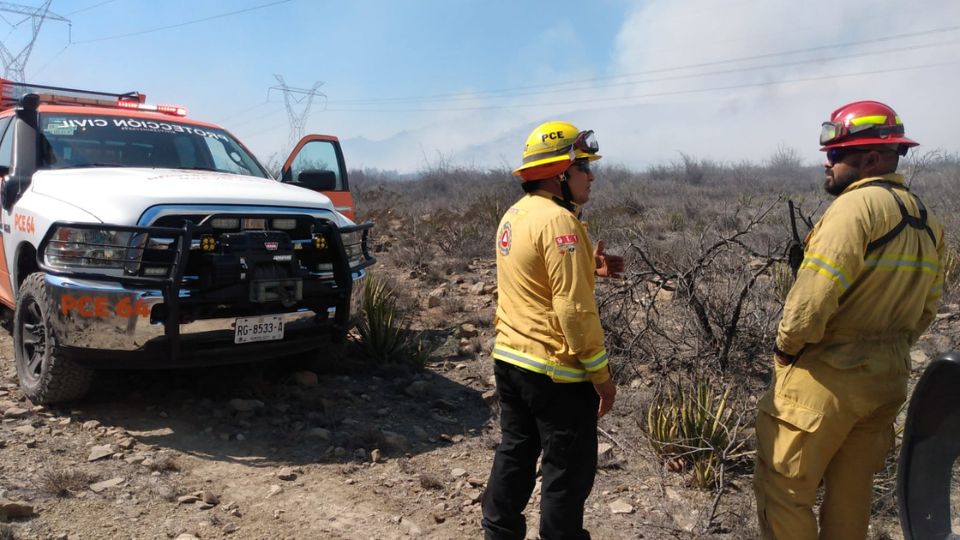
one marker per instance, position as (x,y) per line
(689,425)
(385,332)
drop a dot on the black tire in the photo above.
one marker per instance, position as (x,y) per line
(45,376)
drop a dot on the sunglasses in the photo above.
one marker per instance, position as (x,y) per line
(836,155)
(583,165)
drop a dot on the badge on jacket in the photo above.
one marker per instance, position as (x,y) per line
(566,243)
(504,239)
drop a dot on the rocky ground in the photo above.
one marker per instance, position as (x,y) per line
(324,447)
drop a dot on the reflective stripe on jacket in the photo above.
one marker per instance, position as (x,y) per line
(547,318)
(844,295)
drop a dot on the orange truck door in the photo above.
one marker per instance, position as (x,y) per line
(316,163)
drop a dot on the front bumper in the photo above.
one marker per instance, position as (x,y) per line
(135,340)
(103,320)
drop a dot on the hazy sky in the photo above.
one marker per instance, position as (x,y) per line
(413,84)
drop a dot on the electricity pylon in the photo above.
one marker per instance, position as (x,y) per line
(14,65)
(294,97)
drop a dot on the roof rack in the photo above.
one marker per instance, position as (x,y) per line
(12,92)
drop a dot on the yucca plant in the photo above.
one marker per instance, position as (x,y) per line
(386,333)
(689,425)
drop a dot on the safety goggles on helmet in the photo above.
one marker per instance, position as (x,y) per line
(831,132)
(586,142)
(835,155)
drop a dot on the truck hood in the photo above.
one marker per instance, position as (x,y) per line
(121,195)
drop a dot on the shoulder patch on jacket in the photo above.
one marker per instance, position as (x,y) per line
(566,243)
(505,239)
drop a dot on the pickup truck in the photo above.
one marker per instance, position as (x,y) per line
(135,237)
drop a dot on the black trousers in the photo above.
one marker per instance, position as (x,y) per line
(560,419)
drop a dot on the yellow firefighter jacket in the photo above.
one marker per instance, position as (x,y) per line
(850,302)
(547,318)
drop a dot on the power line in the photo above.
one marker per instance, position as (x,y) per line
(185,23)
(81,10)
(471,97)
(658,94)
(474,95)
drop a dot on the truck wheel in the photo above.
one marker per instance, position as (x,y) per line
(45,376)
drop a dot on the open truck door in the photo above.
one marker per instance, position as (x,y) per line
(316,163)
(931,446)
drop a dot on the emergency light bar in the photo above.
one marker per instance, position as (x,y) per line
(12,92)
(166,109)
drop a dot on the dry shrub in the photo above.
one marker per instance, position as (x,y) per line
(7,532)
(63,482)
(430,481)
(164,463)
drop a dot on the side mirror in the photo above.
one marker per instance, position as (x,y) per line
(317,180)
(9,193)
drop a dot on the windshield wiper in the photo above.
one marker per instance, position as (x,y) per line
(94,164)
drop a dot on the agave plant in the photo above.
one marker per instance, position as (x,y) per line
(386,333)
(689,425)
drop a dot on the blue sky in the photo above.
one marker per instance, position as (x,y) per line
(728,80)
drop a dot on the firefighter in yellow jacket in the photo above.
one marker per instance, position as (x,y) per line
(868,286)
(551,366)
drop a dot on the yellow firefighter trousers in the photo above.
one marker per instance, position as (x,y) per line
(819,423)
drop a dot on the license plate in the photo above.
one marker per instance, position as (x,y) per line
(250,329)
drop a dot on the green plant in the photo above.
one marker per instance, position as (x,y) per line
(688,425)
(385,332)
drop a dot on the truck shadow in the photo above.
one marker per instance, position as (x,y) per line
(280,413)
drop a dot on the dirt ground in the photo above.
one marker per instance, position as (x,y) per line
(324,447)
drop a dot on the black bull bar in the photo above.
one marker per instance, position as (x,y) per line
(171,284)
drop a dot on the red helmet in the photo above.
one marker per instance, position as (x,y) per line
(863,123)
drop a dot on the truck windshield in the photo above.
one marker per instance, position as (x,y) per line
(83,140)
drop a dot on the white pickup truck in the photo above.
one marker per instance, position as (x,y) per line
(136,237)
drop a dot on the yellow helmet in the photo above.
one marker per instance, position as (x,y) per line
(552,147)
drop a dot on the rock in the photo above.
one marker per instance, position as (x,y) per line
(477,288)
(127,443)
(318,433)
(106,484)
(100,452)
(286,473)
(417,389)
(25,430)
(919,357)
(473,495)
(604,451)
(186,536)
(621,506)
(14,510)
(245,405)
(274,490)
(209,497)
(91,424)
(15,412)
(305,378)
(468,330)
(187,499)
(458,472)
(230,528)
(420,433)
(489,397)
(375,456)
(434,301)
(395,441)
